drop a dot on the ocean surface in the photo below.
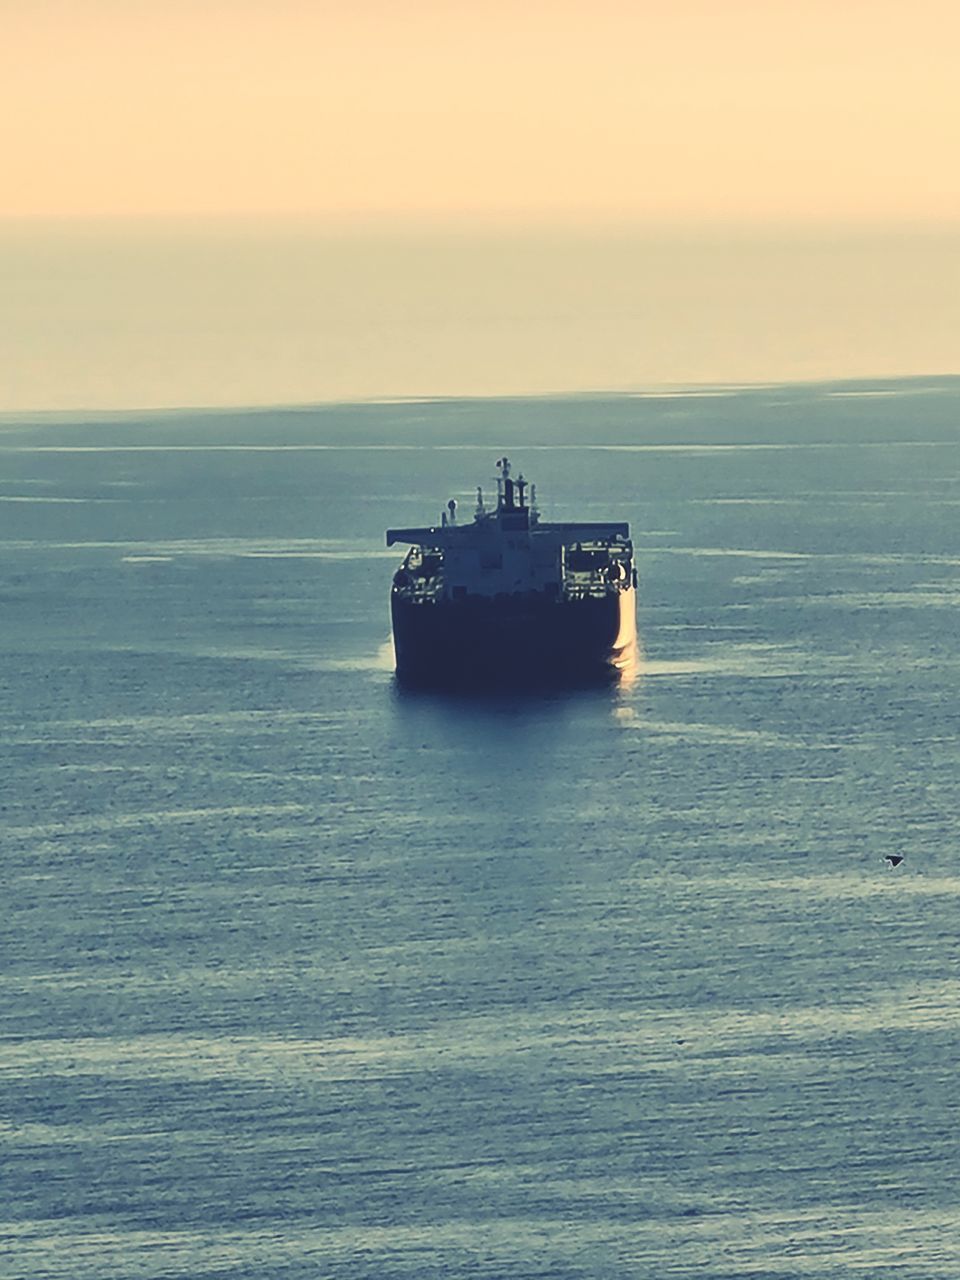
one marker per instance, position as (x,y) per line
(305,977)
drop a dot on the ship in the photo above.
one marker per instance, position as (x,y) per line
(509,600)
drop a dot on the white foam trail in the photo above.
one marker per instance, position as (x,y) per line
(222,548)
(187,721)
(694,732)
(36,498)
(737,552)
(588,1033)
(148,817)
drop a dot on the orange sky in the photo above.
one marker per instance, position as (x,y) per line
(776,111)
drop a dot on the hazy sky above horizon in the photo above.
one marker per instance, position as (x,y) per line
(591,111)
(271,201)
(140,316)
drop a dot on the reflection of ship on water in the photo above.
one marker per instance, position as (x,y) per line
(510,599)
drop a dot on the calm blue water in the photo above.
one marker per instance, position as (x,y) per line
(303,977)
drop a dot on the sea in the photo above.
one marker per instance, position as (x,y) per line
(306,976)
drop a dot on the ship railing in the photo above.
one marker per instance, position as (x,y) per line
(595,589)
(418,579)
(420,590)
(597,583)
(596,569)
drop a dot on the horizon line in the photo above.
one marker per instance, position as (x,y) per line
(501,222)
(853,387)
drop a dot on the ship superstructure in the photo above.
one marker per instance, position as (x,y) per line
(508,597)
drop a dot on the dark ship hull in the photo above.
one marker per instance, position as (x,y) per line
(515,641)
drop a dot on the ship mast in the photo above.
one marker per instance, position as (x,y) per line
(509,492)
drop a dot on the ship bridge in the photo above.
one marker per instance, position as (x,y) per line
(510,551)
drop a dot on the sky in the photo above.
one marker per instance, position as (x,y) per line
(223,202)
(539,112)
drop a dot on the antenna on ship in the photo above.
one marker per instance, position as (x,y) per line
(505,486)
(481,510)
(534,512)
(452,508)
